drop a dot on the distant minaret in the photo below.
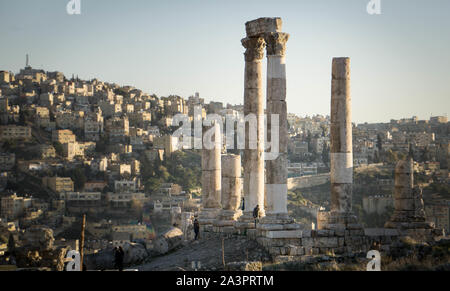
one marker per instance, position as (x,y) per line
(28,61)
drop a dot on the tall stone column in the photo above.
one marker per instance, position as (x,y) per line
(211,176)
(341,144)
(231,193)
(253,157)
(276,163)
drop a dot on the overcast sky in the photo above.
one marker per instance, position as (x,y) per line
(400,59)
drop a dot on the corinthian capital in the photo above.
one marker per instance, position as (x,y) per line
(255,48)
(276,43)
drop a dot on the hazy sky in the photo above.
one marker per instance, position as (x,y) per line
(400,59)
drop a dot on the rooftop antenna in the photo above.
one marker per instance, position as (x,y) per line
(28,61)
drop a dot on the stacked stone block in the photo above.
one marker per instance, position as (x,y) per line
(231,194)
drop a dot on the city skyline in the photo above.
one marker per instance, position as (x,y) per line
(399,68)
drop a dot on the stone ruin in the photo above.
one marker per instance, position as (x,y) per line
(409,214)
(265,183)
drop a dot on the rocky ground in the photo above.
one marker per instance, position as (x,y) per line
(208,252)
(408,255)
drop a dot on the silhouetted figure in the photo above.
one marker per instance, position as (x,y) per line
(376,245)
(118,258)
(196,228)
(256,214)
(243,204)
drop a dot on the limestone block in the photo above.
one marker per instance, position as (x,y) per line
(404,204)
(341,167)
(341,141)
(228,230)
(211,158)
(276,173)
(275,250)
(292,226)
(341,198)
(324,250)
(231,165)
(279,107)
(324,233)
(168,241)
(339,232)
(270,227)
(284,234)
(326,242)
(262,25)
(306,233)
(374,231)
(354,226)
(341,68)
(335,226)
(359,232)
(308,242)
(252,233)
(277,87)
(253,83)
(300,251)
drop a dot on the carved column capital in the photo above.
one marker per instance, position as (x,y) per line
(276,43)
(255,48)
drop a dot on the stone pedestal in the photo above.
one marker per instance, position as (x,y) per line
(207,217)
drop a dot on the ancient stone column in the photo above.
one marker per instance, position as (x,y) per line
(341,141)
(253,104)
(276,157)
(231,192)
(231,182)
(211,176)
(408,203)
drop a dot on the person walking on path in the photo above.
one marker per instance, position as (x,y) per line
(256,214)
(118,258)
(196,229)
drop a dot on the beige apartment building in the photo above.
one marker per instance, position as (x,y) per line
(15,132)
(7,161)
(73,149)
(63,136)
(13,206)
(59,184)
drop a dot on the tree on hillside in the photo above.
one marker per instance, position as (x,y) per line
(11,243)
(379,143)
(326,155)
(58,148)
(79,178)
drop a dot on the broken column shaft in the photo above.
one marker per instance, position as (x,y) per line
(231,193)
(211,175)
(341,138)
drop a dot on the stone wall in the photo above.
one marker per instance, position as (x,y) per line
(308,181)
